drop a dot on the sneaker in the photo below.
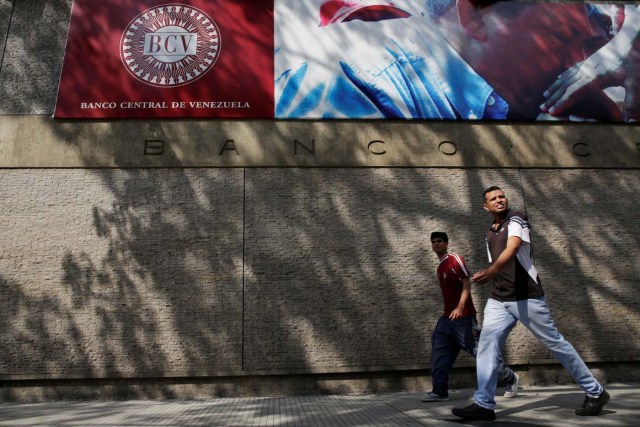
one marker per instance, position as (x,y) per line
(511,390)
(474,412)
(434,397)
(593,405)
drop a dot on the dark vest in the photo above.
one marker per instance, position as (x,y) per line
(512,282)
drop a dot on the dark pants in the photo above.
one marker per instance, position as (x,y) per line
(448,338)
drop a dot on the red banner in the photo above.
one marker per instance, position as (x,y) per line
(164,59)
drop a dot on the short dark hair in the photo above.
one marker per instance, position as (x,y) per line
(489,190)
(440,235)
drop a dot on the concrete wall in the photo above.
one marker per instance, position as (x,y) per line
(135,273)
(196,271)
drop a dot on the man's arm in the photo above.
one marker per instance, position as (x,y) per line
(615,64)
(464,297)
(513,244)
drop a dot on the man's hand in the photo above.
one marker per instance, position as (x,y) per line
(456,314)
(483,276)
(617,63)
(601,70)
(513,244)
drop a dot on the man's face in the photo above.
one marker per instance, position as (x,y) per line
(495,202)
(438,245)
(528,45)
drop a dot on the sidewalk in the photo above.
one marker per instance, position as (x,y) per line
(534,406)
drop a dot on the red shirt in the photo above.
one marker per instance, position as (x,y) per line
(450,273)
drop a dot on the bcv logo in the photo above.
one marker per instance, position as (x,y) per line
(170,45)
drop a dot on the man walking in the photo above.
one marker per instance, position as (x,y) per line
(517,295)
(457,329)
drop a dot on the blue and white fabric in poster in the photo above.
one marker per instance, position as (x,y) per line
(339,59)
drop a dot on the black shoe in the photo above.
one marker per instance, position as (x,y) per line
(474,412)
(593,405)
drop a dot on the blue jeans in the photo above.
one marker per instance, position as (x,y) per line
(499,320)
(448,338)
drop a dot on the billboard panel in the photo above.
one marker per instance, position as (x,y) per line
(353,59)
(163,59)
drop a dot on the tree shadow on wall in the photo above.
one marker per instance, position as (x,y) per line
(173,264)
